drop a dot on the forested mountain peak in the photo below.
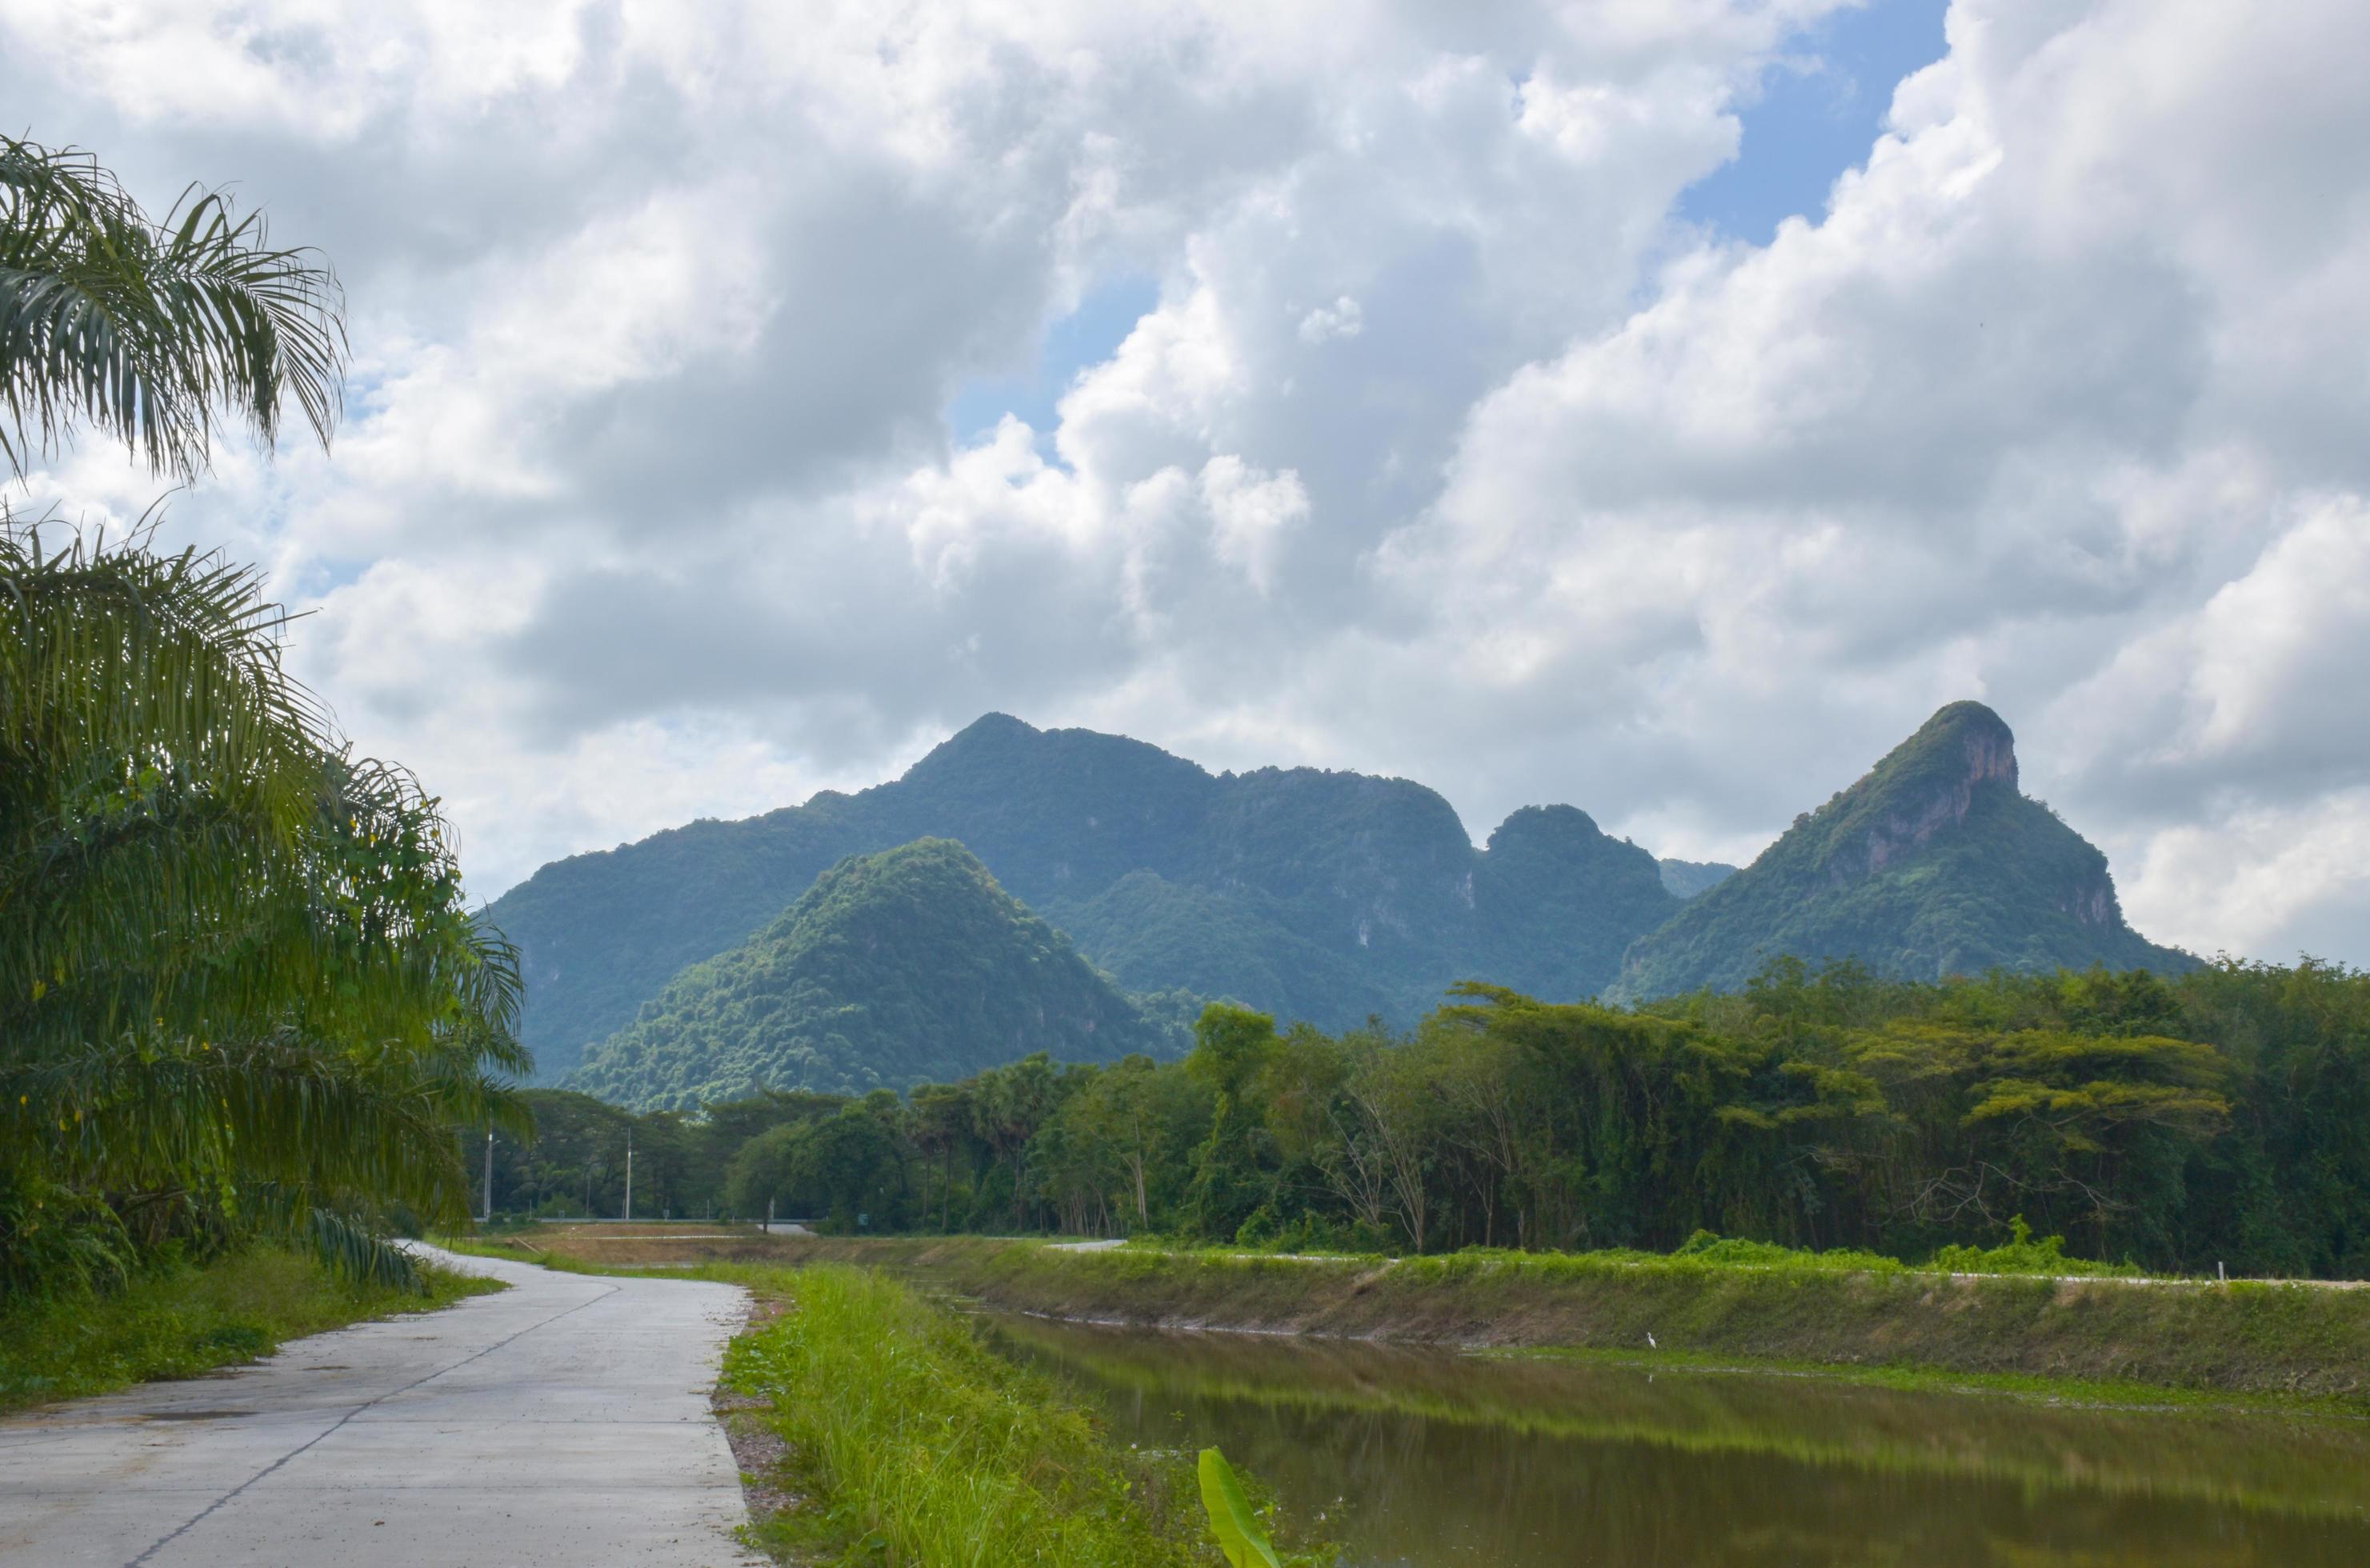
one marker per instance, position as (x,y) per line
(892,969)
(1309,893)
(1934,863)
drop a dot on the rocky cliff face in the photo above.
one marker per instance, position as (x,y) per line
(1934,863)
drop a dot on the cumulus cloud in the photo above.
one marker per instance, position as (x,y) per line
(1445,449)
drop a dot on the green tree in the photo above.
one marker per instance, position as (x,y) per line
(238,985)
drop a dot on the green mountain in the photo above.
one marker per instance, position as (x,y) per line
(892,969)
(1934,864)
(1310,894)
(1689,877)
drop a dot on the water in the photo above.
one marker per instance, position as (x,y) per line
(1419,1457)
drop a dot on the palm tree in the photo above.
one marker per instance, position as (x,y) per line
(235,961)
(238,985)
(146,330)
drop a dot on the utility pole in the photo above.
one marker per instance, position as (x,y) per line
(489,1175)
(629,1173)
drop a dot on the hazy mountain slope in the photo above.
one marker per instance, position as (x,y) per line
(1317,895)
(894,970)
(1934,864)
(1689,877)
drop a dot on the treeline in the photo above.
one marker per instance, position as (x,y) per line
(2221,1116)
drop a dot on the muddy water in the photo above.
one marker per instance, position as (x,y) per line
(1419,1457)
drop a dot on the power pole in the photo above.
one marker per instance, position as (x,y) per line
(629,1173)
(489,1175)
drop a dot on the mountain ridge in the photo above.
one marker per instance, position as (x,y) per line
(1933,863)
(1365,894)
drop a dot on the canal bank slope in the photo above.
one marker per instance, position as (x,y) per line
(2243,1337)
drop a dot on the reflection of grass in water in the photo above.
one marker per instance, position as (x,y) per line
(2301,1467)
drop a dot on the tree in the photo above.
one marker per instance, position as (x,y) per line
(235,962)
(146,329)
(237,981)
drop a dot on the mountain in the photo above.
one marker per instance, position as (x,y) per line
(892,969)
(1934,864)
(1689,877)
(1310,894)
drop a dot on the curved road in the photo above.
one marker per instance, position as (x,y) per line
(563,1420)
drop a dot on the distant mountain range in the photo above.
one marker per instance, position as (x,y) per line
(894,970)
(1329,897)
(1316,894)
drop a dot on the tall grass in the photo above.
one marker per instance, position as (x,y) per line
(177,1320)
(917,1445)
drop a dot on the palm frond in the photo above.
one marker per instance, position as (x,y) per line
(146,329)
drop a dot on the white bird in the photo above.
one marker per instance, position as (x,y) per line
(1650,1339)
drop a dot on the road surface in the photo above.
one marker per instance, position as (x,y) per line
(563,1420)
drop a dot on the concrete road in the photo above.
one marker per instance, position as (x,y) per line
(563,1420)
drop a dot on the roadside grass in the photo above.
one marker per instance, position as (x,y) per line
(907,1441)
(177,1320)
(2025,1315)
(915,1444)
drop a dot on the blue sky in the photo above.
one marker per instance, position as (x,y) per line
(1817,112)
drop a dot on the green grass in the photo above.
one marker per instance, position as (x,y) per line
(179,1320)
(910,1442)
(1853,1312)
(2244,1337)
(917,1445)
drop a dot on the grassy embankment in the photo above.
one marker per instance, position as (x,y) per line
(901,1439)
(179,1320)
(1872,1316)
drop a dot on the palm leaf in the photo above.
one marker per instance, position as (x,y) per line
(144,329)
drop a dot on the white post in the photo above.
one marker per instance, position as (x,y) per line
(629,1173)
(769,1217)
(2219,1273)
(490,1176)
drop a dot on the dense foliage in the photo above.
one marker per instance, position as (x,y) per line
(1325,896)
(892,969)
(2221,1116)
(1931,864)
(237,983)
(239,993)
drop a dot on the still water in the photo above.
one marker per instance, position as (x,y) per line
(1419,1457)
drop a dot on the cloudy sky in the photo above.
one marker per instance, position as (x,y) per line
(1660,405)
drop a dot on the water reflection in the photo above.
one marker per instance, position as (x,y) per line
(1438,1458)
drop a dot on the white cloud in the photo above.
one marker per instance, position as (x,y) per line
(1444,450)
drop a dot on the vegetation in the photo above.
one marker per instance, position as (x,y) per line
(1324,895)
(1932,864)
(892,970)
(146,329)
(2244,1338)
(1689,877)
(2101,1339)
(913,1444)
(239,993)
(2219,1119)
(179,1319)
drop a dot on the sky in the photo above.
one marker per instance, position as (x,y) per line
(1657,406)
